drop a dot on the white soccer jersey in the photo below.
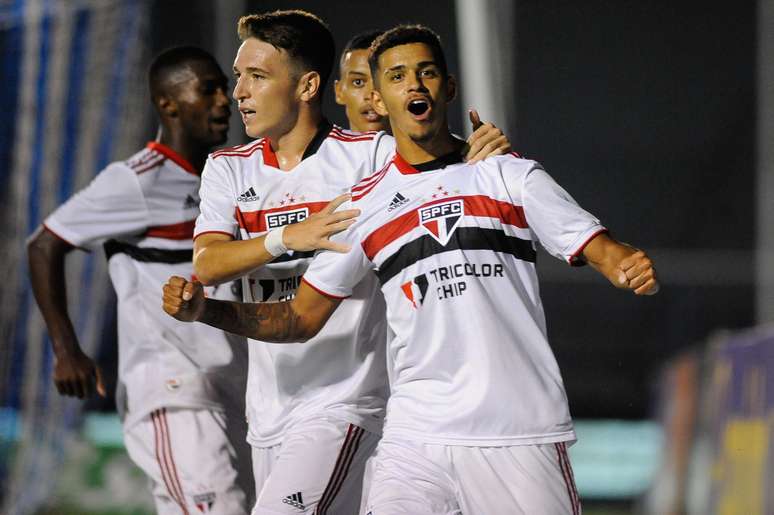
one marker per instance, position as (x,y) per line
(454,250)
(143,211)
(340,372)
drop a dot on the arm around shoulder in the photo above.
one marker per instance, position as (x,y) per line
(219,258)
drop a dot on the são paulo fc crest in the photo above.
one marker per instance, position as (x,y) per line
(440,220)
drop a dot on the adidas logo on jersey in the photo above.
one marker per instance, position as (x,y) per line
(248,196)
(190,202)
(397,201)
(295,500)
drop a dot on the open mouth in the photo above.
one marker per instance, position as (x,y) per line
(420,108)
(247,114)
(371,115)
(220,120)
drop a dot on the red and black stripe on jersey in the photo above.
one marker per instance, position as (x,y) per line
(178,231)
(462,238)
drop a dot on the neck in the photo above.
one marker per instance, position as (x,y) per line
(290,146)
(189,150)
(415,152)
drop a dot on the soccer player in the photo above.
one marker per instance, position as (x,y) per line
(181,386)
(354,86)
(315,411)
(477,421)
(353,91)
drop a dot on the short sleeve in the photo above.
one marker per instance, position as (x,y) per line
(217,204)
(335,274)
(560,224)
(112,205)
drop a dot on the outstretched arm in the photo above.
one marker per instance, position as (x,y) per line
(75,374)
(277,322)
(219,258)
(624,266)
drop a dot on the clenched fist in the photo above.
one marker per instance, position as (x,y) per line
(636,272)
(76,375)
(183,299)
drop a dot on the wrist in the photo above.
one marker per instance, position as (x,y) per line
(274,242)
(201,310)
(65,349)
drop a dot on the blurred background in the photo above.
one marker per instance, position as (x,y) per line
(656,116)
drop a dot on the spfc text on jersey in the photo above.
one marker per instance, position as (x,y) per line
(274,220)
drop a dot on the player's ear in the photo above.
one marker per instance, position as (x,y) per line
(166,106)
(378,103)
(451,88)
(337,91)
(309,86)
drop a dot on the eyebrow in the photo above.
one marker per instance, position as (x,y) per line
(251,69)
(395,68)
(353,72)
(422,64)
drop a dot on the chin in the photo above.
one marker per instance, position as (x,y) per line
(219,138)
(252,132)
(422,137)
(374,126)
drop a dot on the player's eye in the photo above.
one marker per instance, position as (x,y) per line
(257,76)
(429,72)
(396,76)
(358,83)
(208,88)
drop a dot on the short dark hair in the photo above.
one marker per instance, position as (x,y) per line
(404,35)
(171,60)
(361,41)
(304,36)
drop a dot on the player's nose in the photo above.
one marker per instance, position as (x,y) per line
(221,98)
(414,82)
(240,91)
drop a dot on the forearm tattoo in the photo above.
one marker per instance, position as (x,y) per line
(270,322)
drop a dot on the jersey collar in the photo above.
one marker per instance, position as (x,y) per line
(172,155)
(270,158)
(436,164)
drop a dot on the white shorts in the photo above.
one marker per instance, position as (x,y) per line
(318,468)
(196,460)
(424,479)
